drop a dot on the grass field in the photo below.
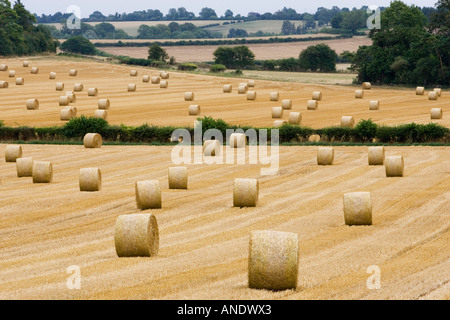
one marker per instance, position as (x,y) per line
(204,240)
(261,51)
(150,104)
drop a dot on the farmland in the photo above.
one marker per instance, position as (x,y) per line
(261,51)
(153,105)
(204,240)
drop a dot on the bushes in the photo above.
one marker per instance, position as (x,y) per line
(218,68)
(187,67)
(79,44)
(365,131)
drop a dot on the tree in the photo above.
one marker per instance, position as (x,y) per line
(234,57)
(79,44)
(157,53)
(318,58)
(105,30)
(237,33)
(228,14)
(288,28)
(207,14)
(354,20)
(97,16)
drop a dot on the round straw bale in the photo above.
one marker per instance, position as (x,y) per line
(274,96)
(148,194)
(376,156)
(64,100)
(227,88)
(211,148)
(420,91)
(90,179)
(12,153)
(178,178)
(32,104)
(146,78)
(4,84)
(3,67)
(189,96)
(251,83)
(273,260)
(357,208)
(59,86)
(24,167)
(317,95)
(314,138)
(20,81)
(164,75)
(278,123)
(104,104)
(72,96)
(436,113)
(347,121)
(394,166)
(156,80)
(92,140)
(433,95)
(42,172)
(101,114)
(12,73)
(67,113)
(131,87)
(277,112)
(366,85)
(438,91)
(295,118)
(251,95)
(136,235)
(35,70)
(238,140)
(92,92)
(374,105)
(359,94)
(164,84)
(133,73)
(242,89)
(312,105)
(325,156)
(73,73)
(26,64)
(245,192)
(194,110)
(52,75)
(286,104)
(78,87)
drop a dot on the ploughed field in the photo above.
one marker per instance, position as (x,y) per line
(154,105)
(203,245)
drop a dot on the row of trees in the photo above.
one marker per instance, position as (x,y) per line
(175,31)
(408,49)
(18,35)
(322,15)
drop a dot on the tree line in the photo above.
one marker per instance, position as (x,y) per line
(19,35)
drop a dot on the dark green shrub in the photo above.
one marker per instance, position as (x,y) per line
(366,130)
(290,132)
(79,127)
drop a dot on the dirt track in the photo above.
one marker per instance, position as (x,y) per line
(204,240)
(152,105)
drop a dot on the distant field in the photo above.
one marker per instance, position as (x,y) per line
(131,27)
(261,51)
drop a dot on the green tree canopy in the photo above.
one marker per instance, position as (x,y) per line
(79,44)
(234,57)
(318,58)
(156,52)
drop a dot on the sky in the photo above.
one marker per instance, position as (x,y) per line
(237,6)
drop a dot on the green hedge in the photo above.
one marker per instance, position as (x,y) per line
(365,131)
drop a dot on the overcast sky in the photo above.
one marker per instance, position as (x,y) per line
(237,6)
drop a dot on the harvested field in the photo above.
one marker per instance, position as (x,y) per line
(262,51)
(203,245)
(152,105)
